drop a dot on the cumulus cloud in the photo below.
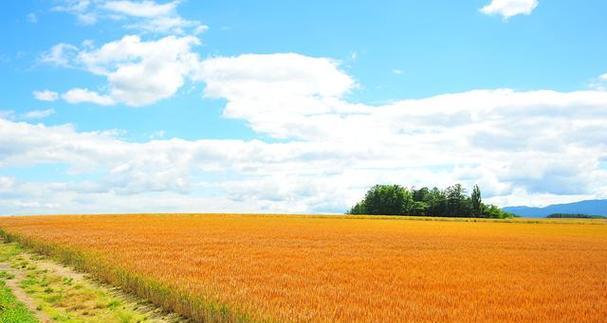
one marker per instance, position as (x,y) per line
(509,8)
(46,95)
(263,89)
(292,74)
(521,147)
(143,72)
(138,72)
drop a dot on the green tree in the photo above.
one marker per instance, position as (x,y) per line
(456,200)
(419,208)
(386,200)
(437,202)
(420,195)
(492,211)
(359,208)
(453,201)
(477,202)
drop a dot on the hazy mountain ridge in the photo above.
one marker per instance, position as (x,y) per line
(590,207)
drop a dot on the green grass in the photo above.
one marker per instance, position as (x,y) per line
(5,275)
(11,310)
(10,251)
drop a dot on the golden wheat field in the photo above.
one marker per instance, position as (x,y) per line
(303,268)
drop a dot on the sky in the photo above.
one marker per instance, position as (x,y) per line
(297,106)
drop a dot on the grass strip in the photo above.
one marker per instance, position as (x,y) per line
(11,310)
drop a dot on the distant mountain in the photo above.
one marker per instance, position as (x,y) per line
(591,207)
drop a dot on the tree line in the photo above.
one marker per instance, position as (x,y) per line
(450,202)
(574,216)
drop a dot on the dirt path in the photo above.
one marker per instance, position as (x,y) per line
(54,292)
(20,294)
(154,313)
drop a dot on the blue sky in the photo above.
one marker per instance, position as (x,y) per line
(290,106)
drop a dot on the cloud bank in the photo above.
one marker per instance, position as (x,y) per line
(520,146)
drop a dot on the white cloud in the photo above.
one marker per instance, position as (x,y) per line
(509,8)
(144,72)
(521,147)
(158,70)
(29,115)
(200,29)
(145,9)
(265,88)
(38,114)
(79,8)
(293,74)
(507,131)
(138,72)
(599,83)
(61,55)
(145,16)
(46,95)
(78,95)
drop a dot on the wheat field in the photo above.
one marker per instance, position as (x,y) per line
(227,267)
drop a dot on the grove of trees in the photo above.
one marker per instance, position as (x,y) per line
(450,202)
